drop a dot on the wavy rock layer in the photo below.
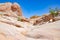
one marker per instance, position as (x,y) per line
(49,31)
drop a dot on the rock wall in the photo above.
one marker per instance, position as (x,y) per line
(12,8)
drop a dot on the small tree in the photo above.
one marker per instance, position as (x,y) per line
(54,12)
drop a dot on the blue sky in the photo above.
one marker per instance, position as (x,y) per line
(35,7)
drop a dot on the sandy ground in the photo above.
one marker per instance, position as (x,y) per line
(48,31)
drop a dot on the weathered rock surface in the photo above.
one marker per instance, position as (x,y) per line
(13,29)
(49,31)
(10,8)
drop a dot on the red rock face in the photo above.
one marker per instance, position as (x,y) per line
(47,18)
(15,7)
(43,19)
(2,8)
(11,7)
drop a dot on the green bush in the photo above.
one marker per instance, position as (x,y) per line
(19,19)
(54,12)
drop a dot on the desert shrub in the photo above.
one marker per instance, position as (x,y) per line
(35,16)
(54,12)
(19,18)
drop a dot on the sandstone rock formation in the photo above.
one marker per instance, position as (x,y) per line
(44,19)
(16,8)
(12,10)
(14,26)
(9,7)
(49,31)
